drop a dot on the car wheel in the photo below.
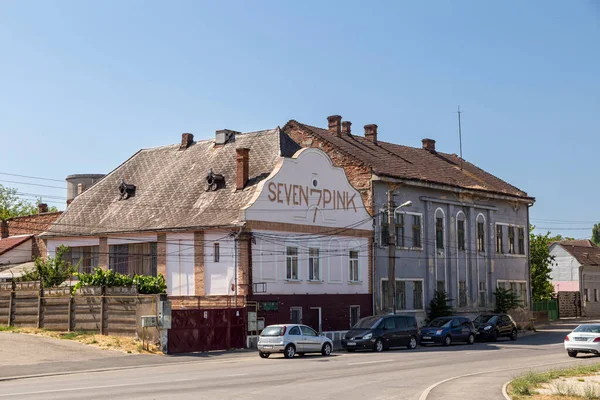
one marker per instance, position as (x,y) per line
(378,346)
(572,353)
(263,355)
(326,350)
(513,335)
(289,351)
(471,339)
(412,343)
(447,340)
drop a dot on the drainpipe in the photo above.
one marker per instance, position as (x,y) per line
(235,263)
(530,291)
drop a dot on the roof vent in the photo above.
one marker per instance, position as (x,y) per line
(126,190)
(214,181)
(224,135)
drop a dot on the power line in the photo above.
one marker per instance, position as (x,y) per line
(34,184)
(33,177)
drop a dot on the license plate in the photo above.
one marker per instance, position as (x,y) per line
(268,347)
(427,337)
(581,339)
(350,344)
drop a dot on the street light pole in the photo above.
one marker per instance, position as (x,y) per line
(392,245)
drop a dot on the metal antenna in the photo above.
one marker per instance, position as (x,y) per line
(460,139)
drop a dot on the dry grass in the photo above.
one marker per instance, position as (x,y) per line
(524,386)
(124,344)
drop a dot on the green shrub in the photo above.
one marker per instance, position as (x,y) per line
(438,306)
(52,271)
(146,284)
(506,300)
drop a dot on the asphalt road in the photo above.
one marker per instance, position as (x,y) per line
(457,372)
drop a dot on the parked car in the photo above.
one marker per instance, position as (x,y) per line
(493,326)
(378,333)
(584,339)
(292,339)
(447,330)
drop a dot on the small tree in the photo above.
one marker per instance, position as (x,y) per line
(506,300)
(52,271)
(438,306)
(541,266)
(596,234)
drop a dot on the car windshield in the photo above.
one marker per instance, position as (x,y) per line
(486,319)
(367,323)
(440,322)
(588,328)
(272,331)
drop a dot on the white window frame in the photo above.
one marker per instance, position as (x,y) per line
(516,240)
(404,280)
(351,261)
(507,283)
(311,275)
(411,247)
(289,269)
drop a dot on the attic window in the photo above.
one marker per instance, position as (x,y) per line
(126,190)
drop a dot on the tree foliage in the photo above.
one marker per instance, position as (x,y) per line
(596,234)
(541,266)
(439,306)
(506,300)
(11,205)
(52,271)
(145,284)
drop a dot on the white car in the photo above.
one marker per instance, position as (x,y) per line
(292,339)
(584,339)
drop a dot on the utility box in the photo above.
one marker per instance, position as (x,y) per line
(164,314)
(252,325)
(149,321)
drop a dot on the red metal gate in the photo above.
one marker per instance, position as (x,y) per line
(206,330)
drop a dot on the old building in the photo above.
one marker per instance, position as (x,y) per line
(576,269)
(460,229)
(239,219)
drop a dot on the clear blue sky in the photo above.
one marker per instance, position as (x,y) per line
(86,84)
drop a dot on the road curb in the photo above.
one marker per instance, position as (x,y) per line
(505,391)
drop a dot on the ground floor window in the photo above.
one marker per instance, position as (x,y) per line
(296,315)
(84,258)
(462,294)
(517,287)
(585,295)
(418,295)
(482,294)
(401,295)
(134,258)
(354,315)
(385,293)
(441,286)
(409,294)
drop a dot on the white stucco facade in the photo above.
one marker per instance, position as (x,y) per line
(19,254)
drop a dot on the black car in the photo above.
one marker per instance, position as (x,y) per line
(493,326)
(447,330)
(378,333)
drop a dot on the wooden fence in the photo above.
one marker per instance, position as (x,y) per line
(110,310)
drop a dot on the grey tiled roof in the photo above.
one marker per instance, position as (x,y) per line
(171,188)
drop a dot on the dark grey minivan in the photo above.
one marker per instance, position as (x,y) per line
(378,333)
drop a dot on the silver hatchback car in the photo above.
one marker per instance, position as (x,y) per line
(292,339)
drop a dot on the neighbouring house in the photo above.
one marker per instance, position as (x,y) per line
(466,231)
(241,219)
(576,268)
(20,241)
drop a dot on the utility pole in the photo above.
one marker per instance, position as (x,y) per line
(392,248)
(460,139)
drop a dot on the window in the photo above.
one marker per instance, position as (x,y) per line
(482,294)
(84,258)
(314,272)
(439,232)
(511,239)
(417,295)
(499,247)
(384,230)
(456,323)
(389,323)
(354,272)
(295,331)
(595,295)
(441,286)
(400,230)
(416,231)
(132,259)
(401,322)
(400,295)
(292,263)
(296,315)
(461,234)
(462,297)
(513,287)
(354,315)
(306,331)
(521,240)
(216,252)
(385,295)
(523,293)
(585,295)
(480,237)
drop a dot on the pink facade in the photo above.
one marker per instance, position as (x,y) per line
(566,286)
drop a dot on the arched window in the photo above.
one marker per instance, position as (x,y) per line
(481,233)
(461,231)
(440,226)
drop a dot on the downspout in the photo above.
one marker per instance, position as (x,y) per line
(530,290)
(235,263)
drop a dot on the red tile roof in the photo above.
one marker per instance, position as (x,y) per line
(10,243)
(584,251)
(410,163)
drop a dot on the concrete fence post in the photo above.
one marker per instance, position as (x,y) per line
(102,310)
(39,316)
(70,313)
(10,303)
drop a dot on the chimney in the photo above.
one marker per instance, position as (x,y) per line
(186,140)
(80,188)
(224,135)
(346,128)
(334,124)
(429,145)
(3,229)
(42,208)
(242,159)
(371,133)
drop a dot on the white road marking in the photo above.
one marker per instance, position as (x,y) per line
(426,392)
(232,375)
(370,362)
(91,387)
